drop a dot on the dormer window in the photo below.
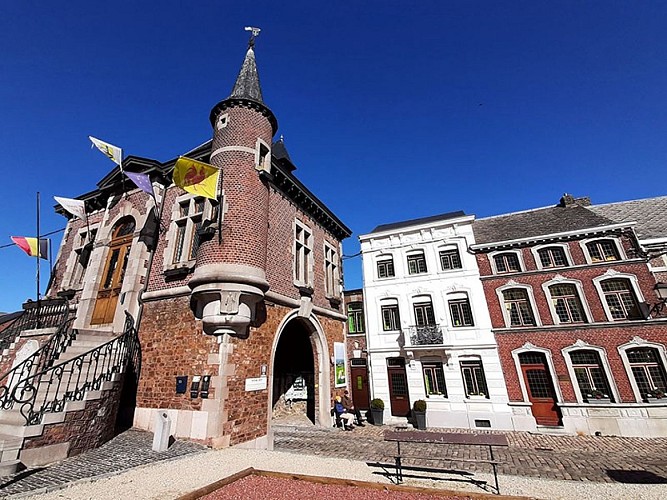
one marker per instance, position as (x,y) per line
(416,263)
(603,251)
(507,262)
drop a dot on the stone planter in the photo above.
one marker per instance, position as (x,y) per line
(377,416)
(420,419)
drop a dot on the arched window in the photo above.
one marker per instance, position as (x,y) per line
(507,262)
(603,250)
(552,257)
(416,262)
(648,372)
(385,266)
(590,374)
(566,303)
(518,308)
(621,299)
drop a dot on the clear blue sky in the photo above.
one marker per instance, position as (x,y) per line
(390,110)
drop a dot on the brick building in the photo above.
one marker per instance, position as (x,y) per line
(231,301)
(575,314)
(356,347)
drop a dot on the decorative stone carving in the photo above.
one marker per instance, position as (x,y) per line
(611,272)
(529,346)
(580,343)
(637,340)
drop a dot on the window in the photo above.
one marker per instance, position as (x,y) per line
(188,220)
(330,271)
(424,314)
(474,380)
(303,252)
(507,263)
(390,318)
(355,318)
(461,313)
(621,299)
(450,259)
(434,379)
(590,374)
(566,303)
(263,157)
(518,307)
(552,257)
(386,267)
(648,371)
(603,251)
(82,250)
(416,263)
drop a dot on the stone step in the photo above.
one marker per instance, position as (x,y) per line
(9,467)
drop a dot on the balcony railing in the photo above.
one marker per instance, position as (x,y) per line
(426,335)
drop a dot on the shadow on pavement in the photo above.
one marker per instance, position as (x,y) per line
(636,477)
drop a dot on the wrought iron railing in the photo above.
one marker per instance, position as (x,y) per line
(40,314)
(426,335)
(49,390)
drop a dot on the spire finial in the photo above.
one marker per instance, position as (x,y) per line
(254,33)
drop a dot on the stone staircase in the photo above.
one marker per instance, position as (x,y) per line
(68,388)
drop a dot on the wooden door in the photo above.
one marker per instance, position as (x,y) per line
(360,393)
(399,398)
(540,387)
(114,272)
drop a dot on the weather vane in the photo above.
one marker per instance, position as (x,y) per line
(254,32)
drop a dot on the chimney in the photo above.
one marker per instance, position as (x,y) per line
(570,201)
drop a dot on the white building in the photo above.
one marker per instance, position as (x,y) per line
(429,331)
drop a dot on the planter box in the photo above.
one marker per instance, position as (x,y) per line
(377,416)
(420,419)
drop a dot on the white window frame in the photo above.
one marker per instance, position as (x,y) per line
(560,280)
(431,360)
(531,299)
(477,359)
(172,236)
(612,274)
(619,248)
(633,344)
(528,347)
(419,300)
(331,271)
(389,302)
(302,251)
(566,251)
(448,248)
(492,261)
(457,296)
(581,345)
(416,253)
(381,259)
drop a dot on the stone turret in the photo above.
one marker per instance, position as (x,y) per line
(230,276)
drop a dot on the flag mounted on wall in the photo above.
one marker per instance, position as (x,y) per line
(29,246)
(114,153)
(197,177)
(142,181)
(75,207)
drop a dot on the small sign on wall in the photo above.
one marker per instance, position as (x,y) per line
(340,373)
(255,384)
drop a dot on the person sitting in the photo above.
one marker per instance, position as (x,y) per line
(348,404)
(346,417)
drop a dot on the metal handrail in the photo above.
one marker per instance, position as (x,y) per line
(48,390)
(42,314)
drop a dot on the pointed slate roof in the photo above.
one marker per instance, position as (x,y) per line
(247,83)
(650,214)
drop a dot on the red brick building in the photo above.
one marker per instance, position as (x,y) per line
(231,301)
(357,352)
(576,318)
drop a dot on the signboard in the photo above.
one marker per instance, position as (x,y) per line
(340,374)
(255,384)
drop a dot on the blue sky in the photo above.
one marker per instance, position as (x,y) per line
(390,110)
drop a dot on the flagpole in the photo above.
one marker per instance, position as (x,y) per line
(38,265)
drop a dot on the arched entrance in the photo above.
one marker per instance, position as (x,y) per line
(297,373)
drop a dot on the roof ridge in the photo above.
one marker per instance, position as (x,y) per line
(626,201)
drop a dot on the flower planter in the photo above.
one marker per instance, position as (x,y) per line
(378,416)
(598,401)
(420,419)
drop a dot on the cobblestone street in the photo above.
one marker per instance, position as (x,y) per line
(580,458)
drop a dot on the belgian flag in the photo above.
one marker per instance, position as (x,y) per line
(30,246)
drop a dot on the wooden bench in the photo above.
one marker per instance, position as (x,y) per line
(446,438)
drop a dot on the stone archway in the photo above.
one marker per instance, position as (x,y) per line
(300,372)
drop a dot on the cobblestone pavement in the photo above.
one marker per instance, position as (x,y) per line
(127,450)
(581,458)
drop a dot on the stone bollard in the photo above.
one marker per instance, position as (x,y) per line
(161,434)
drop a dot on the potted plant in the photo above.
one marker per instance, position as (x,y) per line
(377,411)
(419,413)
(597,396)
(656,396)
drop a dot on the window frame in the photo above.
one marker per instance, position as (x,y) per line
(531,302)
(529,347)
(584,244)
(395,319)
(449,249)
(331,271)
(580,345)
(186,259)
(419,257)
(424,304)
(434,366)
(457,300)
(359,317)
(517,253)
(386,261)
(476,366)
(634,286)
(539,248)
(638,342)
(302,254)
(76,281)
(579,289)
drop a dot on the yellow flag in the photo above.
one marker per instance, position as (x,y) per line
(196,177)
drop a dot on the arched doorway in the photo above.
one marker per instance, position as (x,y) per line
(295,378)
(114,272)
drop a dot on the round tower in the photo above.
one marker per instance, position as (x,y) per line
(230,274)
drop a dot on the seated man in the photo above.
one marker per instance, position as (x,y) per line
(349,407)
(347,418)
